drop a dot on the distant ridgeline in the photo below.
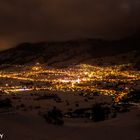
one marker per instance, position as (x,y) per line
(63,54)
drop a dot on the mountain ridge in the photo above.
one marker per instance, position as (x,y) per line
(54,52)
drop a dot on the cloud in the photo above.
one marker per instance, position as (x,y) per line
(37,20)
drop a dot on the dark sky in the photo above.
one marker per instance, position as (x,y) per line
(40,20)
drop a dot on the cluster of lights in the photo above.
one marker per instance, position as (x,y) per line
(82,77)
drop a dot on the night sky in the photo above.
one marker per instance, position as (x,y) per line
(48,20)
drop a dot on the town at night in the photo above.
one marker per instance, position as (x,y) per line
(69,70)
(115,81)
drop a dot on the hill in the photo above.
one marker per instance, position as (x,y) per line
(69,52)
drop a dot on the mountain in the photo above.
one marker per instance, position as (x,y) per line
(68,52)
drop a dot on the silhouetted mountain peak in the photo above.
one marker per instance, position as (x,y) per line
(75,51)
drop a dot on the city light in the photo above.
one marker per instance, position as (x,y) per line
(111,80)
